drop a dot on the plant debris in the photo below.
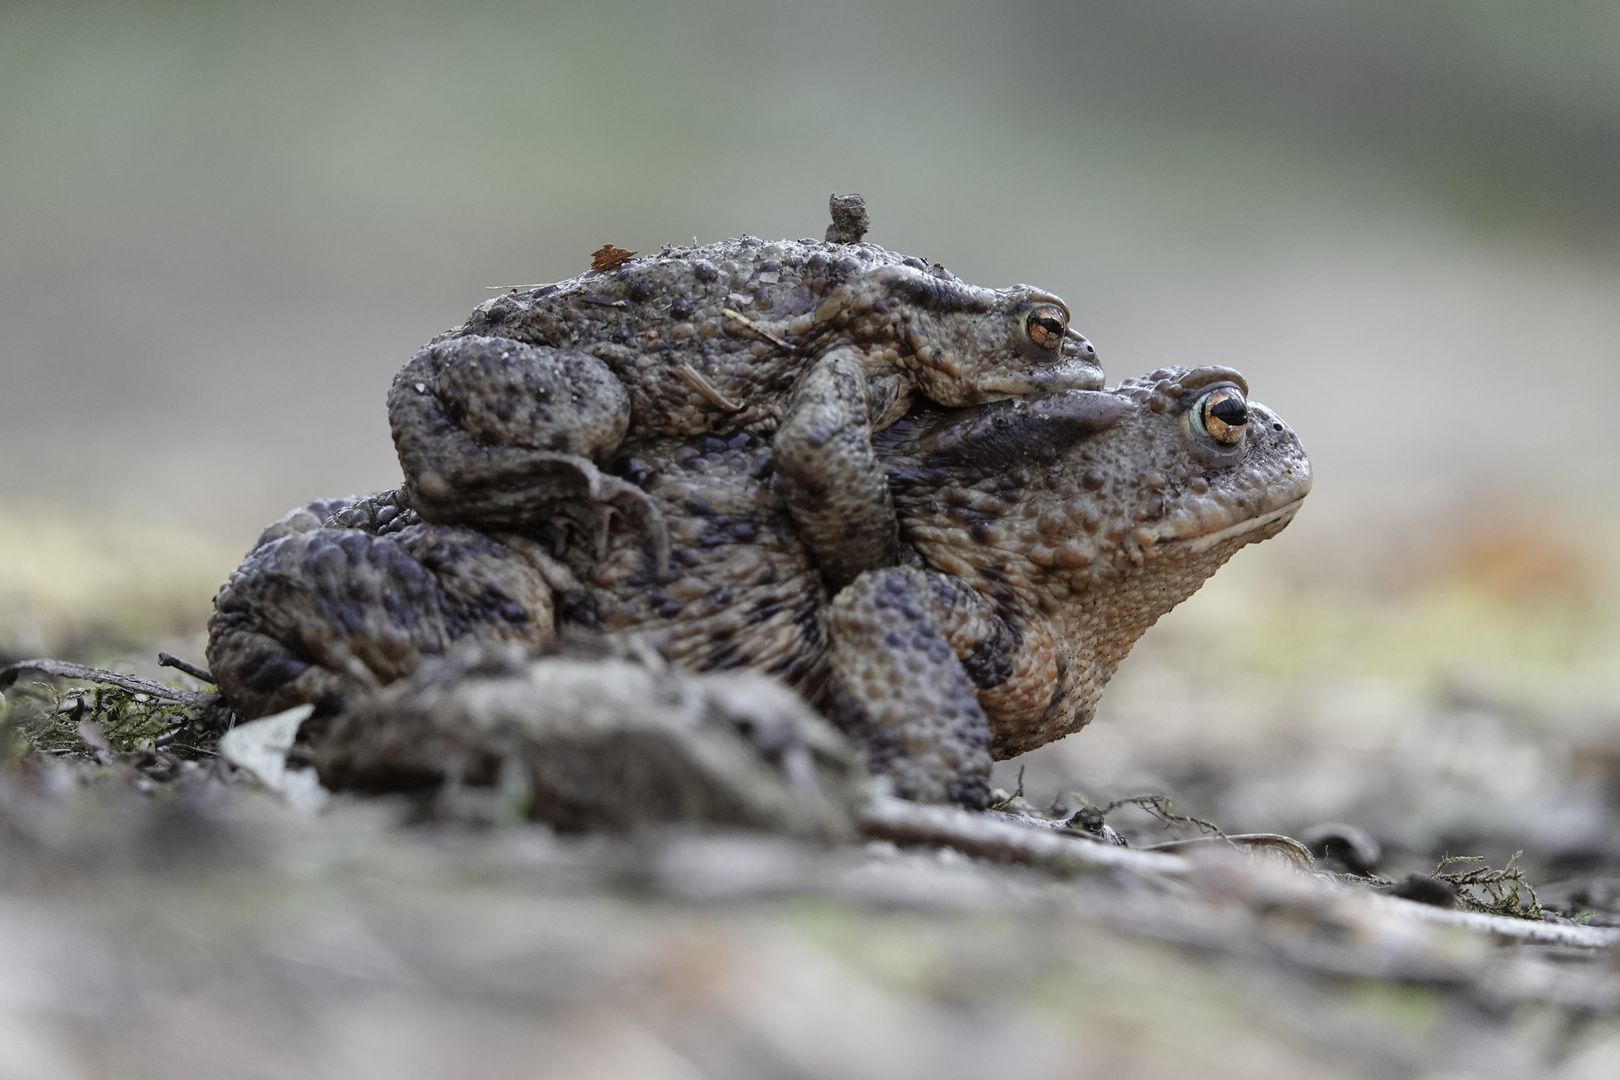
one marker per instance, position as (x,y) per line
(1159,806)
(200,674)
(607,257)
(137,727)
(1494,892)
(120,784)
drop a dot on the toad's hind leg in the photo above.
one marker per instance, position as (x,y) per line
(828,475)
(900,687)
(322,614)
(497,434)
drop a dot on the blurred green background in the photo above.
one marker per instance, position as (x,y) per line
(224,226)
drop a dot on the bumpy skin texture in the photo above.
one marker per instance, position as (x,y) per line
(510,417)
(901,687)
(1049,535)
(741,591)
(328,614)
(1071,547)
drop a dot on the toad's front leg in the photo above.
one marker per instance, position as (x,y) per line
(827,474)
(912,652)
(496,434)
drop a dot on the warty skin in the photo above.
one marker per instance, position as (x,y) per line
(816,345)
(1040,539)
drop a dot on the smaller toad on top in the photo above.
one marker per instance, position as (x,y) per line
(536,406)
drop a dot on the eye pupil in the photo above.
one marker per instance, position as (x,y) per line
(1224,416)
(1232,411)
(1046,327)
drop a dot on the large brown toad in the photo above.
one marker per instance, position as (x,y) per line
(503,422)
(1044,537)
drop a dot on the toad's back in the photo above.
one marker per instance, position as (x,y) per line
(712,338)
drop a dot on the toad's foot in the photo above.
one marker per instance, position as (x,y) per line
(529,491)
(590,499)
(900,637)
(379,514)
(499,435)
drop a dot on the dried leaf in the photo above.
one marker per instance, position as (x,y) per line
(607,257)
(260,747)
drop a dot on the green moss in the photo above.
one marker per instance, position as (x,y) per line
(1494,892)
(40,718)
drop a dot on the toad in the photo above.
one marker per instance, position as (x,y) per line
(1042,538)
(508,420)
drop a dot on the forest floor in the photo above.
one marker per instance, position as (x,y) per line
(166,914)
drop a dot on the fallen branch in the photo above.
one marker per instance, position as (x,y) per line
(1056,852)
(134,684)
(1000,841)
(1504,928)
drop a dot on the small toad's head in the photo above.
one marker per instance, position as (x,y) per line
(967,345)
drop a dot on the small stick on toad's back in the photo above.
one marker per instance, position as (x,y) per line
(165,660)
(694,378)
(755,327)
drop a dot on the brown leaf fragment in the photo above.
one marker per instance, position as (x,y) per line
(607,257)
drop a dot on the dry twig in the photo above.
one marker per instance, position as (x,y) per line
(134,684)
(755,327)
(201,674)
(973,834)
(694,378)
(1159,806)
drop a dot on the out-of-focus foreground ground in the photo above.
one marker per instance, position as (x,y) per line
(223,227)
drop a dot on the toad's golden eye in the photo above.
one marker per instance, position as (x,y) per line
(1224,414)
(1046,326)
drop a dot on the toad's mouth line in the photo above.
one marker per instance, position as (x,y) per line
(1193,545)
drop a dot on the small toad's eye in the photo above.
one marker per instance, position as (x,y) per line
(1223,414)
(1046,326)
